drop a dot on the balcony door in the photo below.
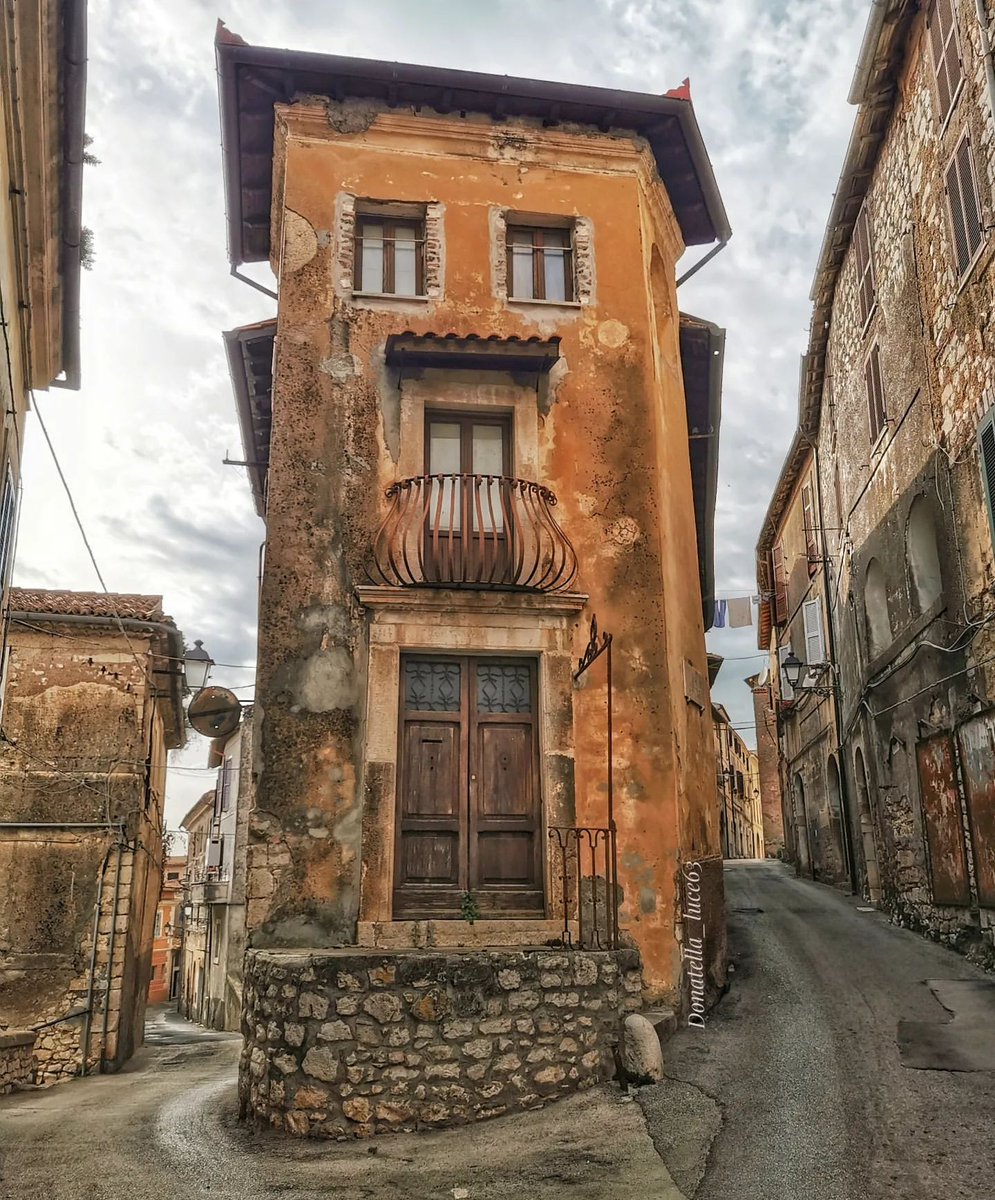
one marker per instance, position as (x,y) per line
(468,512)
(469,816)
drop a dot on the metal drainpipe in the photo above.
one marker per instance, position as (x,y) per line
(110,958)
(837,711)
(986,51)
(88,1023)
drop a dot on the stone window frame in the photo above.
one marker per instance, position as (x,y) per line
(349,207)
(581,247)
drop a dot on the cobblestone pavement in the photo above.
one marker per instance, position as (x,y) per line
(166,1126)
(799,1076)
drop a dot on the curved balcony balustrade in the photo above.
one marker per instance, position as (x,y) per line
(472,531)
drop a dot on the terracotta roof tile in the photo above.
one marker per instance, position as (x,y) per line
(87,604)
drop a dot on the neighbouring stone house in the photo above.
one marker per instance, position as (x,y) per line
(897,423)
(42,111)
(478,422)
(738,773)
(214,893)
(167,935)
(768,761)
(93,704)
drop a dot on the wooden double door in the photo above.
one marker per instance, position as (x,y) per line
(469,814)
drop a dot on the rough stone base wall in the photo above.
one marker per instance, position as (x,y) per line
(17,1060)
(352,1043)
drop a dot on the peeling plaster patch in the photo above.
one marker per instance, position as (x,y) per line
(331,620)
(624,531)
(352,116)
(612,334)
(647,900)
(300,242)
(326,681)
(341,367)
(549,385)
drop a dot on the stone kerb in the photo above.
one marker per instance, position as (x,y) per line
(17,1059)
(349,1043)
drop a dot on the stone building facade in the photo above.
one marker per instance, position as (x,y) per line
(93,704)
(167,935)
(42,112)
(897,401)
(768,761)
(738,775)
(214,891)
(478,422)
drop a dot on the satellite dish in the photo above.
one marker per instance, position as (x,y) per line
(215,712)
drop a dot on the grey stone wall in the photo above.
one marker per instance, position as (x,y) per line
(17,1060)
(351,1043)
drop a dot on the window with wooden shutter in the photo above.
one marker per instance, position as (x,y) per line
(964,205)
(780,585)
(875,394)
(986,457)
(808,519)
(948,70)
(865,265)
(815,646)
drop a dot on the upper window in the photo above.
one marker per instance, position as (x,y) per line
(8,510)
(540,263)
(808,519)
(780,585)
(390,255)
(986,459)
(876,412)
(865,265)
(815,646)
(963,204)
(923,554)
(879,633)
(948,70)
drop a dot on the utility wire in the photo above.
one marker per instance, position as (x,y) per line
(143,665)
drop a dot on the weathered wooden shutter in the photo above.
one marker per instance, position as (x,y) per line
(808,518)
(986,458)
(780,585)
(865,264)
(948,70)
(964,205)
(875,393)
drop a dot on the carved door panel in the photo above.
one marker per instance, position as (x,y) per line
(469,813)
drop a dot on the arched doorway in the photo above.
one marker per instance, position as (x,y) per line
(839,819)
(801,826)
(872,880)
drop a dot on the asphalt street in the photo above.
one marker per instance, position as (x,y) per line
(165,1127)
(797,1087)
(826,1073)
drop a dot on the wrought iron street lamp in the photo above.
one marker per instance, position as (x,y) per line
(197,666)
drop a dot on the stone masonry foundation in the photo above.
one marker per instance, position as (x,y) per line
(352,1043)
(17,1060)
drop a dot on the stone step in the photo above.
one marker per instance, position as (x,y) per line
(664,1020)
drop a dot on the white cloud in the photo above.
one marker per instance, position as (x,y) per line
(142,443)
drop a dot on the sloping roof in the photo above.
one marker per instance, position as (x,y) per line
(87,604)
(875,89)
(202,808)
(250,364)
(251,79)
(702,356)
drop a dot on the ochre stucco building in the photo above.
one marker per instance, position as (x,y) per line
(478,422)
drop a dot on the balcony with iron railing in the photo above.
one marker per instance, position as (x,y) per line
(472,531)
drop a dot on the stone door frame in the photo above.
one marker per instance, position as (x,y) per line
(443,621)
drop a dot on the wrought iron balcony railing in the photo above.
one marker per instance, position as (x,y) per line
(472,531)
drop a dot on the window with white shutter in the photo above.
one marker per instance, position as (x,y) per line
(780,585)
(815,646)
(8,525)
(986,457)
(964,205)
(865,265)
(948,70)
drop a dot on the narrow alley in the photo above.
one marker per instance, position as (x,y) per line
(806,1052)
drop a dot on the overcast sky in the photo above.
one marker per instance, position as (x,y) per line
(142,443)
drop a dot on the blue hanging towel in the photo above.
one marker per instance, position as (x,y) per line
(720,615)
